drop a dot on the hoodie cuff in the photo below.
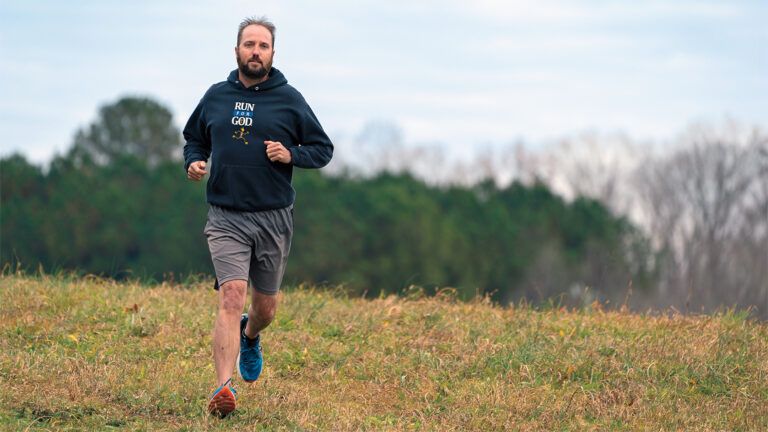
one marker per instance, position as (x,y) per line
(294,151)
(187,164)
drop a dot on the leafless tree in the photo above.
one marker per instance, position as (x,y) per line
(706,206)
(597,166)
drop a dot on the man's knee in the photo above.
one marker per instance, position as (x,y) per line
(265,306)
(267,313)
(232,295)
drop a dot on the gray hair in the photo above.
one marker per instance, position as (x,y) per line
(261,21)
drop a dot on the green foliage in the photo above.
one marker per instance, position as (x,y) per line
(389,232)
(134,126)
(23,195)
(122,219)
(375,236)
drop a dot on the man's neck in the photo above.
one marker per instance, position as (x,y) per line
(249,82)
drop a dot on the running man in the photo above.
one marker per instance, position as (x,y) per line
(255,127)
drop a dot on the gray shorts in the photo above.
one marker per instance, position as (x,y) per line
(250,245)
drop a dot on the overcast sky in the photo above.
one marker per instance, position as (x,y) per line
(458,73)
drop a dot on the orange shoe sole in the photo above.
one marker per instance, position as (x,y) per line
(222,403)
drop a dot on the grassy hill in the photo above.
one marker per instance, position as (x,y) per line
(89,354)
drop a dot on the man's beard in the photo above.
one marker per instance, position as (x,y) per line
(255,74)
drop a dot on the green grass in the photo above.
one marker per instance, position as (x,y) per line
(90,354)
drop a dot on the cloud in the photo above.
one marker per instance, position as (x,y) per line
(562,12)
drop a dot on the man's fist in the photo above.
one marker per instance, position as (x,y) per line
(276,152)
(196,170)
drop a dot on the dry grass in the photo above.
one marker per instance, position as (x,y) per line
(89,354)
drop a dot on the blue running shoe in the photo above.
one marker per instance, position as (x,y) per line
(223,401)
(249,361)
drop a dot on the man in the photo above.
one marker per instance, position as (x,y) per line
(256,128)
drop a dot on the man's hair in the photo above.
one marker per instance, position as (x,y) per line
(262,21)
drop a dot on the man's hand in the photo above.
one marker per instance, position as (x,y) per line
(276,152)
(196,170)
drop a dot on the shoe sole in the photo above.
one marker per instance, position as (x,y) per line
(222,404)
(240,373)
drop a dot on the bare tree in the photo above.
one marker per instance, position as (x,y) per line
(589,165)
(706,206)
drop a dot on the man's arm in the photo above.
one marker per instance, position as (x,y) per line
(198,142)
(315,148)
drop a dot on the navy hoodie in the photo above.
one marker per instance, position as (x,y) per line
(230,125)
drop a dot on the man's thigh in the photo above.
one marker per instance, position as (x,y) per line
(230,250)
(272,246)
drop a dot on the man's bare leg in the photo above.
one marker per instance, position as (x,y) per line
(226,329)
(260,313)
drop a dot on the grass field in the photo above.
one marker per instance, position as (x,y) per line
(89,354)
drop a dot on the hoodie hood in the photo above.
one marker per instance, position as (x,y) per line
(275,79)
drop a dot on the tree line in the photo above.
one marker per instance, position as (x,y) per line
(118,204)
(701,198)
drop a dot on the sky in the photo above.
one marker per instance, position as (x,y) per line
(454,74)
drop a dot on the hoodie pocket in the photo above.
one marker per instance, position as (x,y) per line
(250,188)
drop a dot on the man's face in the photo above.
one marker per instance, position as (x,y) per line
(254,54)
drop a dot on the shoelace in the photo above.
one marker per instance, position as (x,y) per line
(255,359)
